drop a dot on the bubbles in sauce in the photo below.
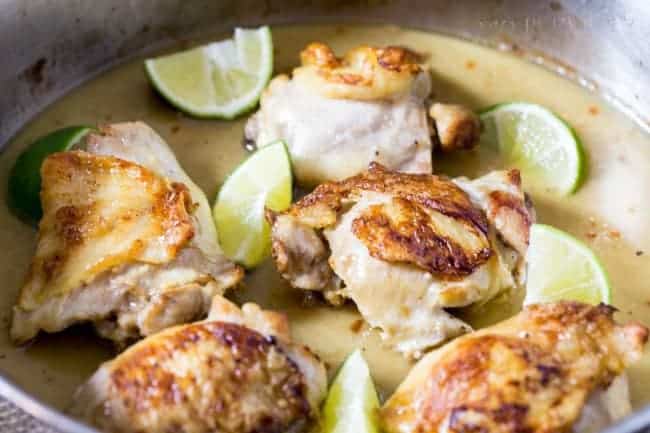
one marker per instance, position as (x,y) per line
(611,212)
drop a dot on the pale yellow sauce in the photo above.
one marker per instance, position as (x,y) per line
(611,211)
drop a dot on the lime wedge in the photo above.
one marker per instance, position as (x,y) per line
(263,180)
(560,267)
(221,79)
(539,143)
(25,177)
(352,404)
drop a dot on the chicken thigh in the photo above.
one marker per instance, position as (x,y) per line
(554,367)
(126,241)
(339,114)
(404,247)
(236,372)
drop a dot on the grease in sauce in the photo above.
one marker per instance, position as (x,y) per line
(610,212)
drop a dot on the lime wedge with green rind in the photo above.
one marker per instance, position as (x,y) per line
(560,267)
(24,186)
(352,403)
(264,180)
(533,139)
(219,80)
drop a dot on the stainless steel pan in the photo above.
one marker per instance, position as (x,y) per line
(49,46)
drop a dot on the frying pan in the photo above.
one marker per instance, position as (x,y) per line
(48,47)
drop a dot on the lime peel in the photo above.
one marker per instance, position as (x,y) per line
(25,176)
(219,80)
(560,267)
(264,180)
(540,143)
(352,403)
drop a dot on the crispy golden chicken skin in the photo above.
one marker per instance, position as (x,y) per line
(126,242)
(457,127)
(339,114)
(499,194)
(405,246)
(236,372)
(364,73)
(412,226)
(88,199)
(532,373)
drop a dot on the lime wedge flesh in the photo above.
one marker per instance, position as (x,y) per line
(263,180)
(25,177)
(352,404)
(221,80)
(561,267)
(539,143)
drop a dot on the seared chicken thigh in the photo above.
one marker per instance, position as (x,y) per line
(236,372)
(405,246)
(126,241)
(457,127)
(339,114)
(554,367)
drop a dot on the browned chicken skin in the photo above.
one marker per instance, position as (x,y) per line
(236,372)
(404,230)
(364,73)
(532,373)
(457,127)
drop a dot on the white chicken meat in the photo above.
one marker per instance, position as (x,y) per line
(126,241)
(405,247)
(339,114)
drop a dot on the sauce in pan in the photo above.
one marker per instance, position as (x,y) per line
(610,212)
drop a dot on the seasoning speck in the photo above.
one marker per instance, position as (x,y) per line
(639,253)
(356,326)
(470,64)
(593,110)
